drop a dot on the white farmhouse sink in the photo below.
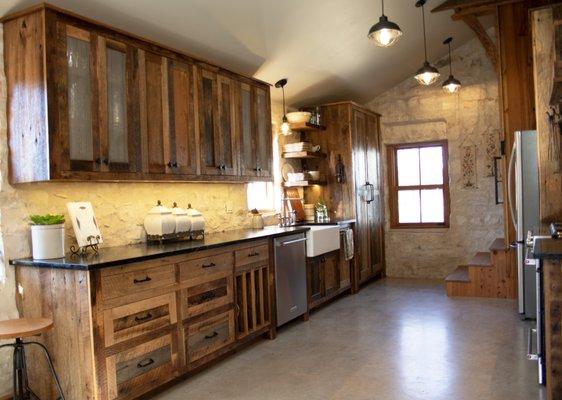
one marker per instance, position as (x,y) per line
(321,239)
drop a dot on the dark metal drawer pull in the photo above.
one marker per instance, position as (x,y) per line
(209,265)
(147,316)
(145,363)
(147,279)
(212,335)
(253,254)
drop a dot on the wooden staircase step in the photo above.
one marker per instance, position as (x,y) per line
(498,245)
(460,274)
(481,259)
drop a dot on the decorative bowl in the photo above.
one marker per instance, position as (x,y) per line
(298,117)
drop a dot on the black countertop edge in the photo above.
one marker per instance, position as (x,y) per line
(121,255)
(332,222)
(547,248)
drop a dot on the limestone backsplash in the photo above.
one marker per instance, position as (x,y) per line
(470,120)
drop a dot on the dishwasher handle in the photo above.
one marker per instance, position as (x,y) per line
(288,242)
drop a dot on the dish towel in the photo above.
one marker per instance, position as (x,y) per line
(348,244)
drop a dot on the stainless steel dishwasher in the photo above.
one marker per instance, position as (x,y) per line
(290,277)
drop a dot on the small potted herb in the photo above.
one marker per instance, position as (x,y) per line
(47,236)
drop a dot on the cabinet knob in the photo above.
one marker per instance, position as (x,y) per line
(175,164)
(98,160)
(170,164)
(105,161)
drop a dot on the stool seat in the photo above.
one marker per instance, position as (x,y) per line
(24,327)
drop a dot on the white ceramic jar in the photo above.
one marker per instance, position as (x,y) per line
(47,241)
(196,219)
(159,221)
(183,223)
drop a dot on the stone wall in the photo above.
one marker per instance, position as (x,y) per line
(470,122)
(119,207)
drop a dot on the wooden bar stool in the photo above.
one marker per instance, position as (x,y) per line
(18,329)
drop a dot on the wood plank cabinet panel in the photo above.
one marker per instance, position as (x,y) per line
(206,337)
(202,297)
(136,280)
(184,152)
(209,123)
(264,145)
(258,253)
(201,270)
(132,320)
(227,134)
(137,370)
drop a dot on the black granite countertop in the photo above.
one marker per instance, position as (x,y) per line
(548,248)
(119,255)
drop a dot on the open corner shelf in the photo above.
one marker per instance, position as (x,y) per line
(304,154)
(303,183)
(307,127)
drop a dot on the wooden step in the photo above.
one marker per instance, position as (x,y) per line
(498,245)
(481,259)
(460,274)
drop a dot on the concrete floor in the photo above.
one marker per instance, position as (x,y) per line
(396,339)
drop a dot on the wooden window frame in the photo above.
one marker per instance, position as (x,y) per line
(392,150)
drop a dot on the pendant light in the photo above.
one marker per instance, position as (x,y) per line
(285,127)
(427,75)
(385,33)
(451,85)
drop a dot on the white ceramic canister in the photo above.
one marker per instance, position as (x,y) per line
(196,218)
(257,221)
(183,222)
(47,241)
(159,221)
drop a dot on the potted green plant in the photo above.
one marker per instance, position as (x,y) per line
(47,236)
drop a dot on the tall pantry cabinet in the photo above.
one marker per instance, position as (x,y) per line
(353,136)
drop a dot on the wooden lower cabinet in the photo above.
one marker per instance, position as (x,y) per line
(324,278)
(123,331)
(139,369)
(206,337)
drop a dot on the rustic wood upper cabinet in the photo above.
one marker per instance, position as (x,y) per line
(218,138)
(87,102)
(255,131)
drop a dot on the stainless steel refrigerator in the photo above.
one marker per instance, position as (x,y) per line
(524,207)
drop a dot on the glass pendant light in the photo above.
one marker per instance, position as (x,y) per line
(427,75)
(285,127)
(385,33)
(451,85)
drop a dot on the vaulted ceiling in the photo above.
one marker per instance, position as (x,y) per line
(321,46)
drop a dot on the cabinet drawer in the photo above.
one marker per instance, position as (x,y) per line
(251,255)
(208,336)
(207,296)
(142,368)
(137,279)
(204,269)
(136,319)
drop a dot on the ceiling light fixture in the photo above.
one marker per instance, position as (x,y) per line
(285,127)
(427,75)
(385,33)
(451,85)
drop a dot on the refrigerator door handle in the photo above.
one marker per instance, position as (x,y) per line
(510,172)
(530,355)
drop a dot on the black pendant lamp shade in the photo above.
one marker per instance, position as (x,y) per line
(451,84)
(285,127)
(427,75)
(384,33)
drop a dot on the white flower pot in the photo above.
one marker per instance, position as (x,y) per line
(47,241)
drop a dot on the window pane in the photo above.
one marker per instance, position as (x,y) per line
(260,195)
(408,167)
(432,206)
(431,160)
(408,206)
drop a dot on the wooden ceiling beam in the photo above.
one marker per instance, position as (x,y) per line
(470,4)
(489,45)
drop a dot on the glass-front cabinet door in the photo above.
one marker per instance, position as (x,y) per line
(264,147)
(117,98)
(248,164)
(77,105)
